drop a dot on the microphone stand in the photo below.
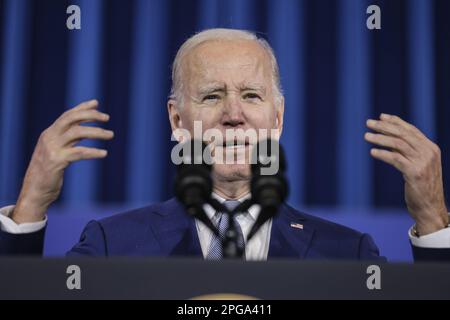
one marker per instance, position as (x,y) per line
(193,188)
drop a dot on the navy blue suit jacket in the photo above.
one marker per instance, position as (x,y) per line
(164,229)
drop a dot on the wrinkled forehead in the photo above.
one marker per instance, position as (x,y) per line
(240,61)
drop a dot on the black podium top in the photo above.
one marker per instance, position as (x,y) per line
(142,278)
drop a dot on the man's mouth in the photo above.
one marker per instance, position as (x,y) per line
(235,144)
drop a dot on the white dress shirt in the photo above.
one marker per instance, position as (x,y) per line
(10,226)
(256,249)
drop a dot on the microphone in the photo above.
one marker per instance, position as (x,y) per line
(193,184)
(269,185)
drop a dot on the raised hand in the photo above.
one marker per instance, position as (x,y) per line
(419,160)
(54,151)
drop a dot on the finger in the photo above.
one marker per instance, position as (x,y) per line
(391,157)
(86,105)
(390,129)
(84,153)
(391,142)
(384,127)
(81,116)
(402,123)
(77,133)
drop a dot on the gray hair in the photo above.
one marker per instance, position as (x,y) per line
(219,35)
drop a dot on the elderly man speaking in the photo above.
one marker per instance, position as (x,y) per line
(226,79)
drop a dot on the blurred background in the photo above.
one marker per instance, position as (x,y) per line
(335,73)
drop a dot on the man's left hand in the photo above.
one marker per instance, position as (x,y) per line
(419,160)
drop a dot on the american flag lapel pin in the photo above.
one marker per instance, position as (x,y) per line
(296,225)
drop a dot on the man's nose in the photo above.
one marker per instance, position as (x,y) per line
(233,115)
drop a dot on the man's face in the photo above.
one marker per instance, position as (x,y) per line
(228,85)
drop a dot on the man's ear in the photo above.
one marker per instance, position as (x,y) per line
(174,115)
(280,115)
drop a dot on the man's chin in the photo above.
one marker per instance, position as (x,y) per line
(231,172)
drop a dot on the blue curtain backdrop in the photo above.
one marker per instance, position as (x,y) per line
(335,73)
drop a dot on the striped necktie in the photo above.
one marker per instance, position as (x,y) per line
(215,248)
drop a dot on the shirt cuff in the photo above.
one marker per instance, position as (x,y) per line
(8,225)
(437,240)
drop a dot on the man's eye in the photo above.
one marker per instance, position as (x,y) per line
(211,97)
(252,96)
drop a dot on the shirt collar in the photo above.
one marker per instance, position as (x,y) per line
(253,210)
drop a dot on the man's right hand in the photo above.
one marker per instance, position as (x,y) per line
(54,151)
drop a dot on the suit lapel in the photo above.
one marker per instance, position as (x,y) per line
(188,244)
(290,235)
(176,232)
